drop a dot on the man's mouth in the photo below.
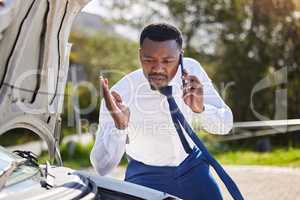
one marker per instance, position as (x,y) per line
(157,81)
(157,77)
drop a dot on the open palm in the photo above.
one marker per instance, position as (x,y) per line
(113,101)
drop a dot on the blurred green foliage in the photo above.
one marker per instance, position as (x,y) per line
(288,157)
(100,54)
(79,157)
(75,155)
(18,136)
(104,53)
(237,41)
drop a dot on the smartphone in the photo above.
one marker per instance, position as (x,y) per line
(181,67)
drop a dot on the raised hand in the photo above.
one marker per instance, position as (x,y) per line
(193,92)
(113,101)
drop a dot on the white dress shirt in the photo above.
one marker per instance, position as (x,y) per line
(151,136)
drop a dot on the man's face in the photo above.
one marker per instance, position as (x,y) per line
(159,61)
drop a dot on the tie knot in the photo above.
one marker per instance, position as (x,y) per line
(167,91)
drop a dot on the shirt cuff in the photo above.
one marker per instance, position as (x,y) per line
(199,118)
(213,120)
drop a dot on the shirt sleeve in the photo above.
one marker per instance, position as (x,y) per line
(110,143)
(217,117)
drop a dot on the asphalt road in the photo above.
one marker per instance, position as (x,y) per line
(256,182)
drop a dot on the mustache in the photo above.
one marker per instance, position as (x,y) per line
(157,74)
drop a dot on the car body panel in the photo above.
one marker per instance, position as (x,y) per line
(34,62)
(126,187)
(44,182)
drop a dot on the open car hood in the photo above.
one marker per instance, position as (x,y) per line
(34,61)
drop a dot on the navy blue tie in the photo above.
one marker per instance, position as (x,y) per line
(178,118)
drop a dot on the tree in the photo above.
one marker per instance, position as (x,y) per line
(101,53)
(242,41)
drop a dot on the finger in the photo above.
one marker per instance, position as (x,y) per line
(193,92)
(118,101)
(185,74)
(193,78)
(188,84)
(105,88)
(106,94)
(186,87)
(187,98)
(190,97)
(117,97)
(195,85)
(104,84)
(121,106)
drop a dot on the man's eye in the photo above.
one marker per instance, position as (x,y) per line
(167,61)
(148,61)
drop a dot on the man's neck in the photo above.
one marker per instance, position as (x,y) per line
(153,88)
(156,88)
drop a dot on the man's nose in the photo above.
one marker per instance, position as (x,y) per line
(158,67)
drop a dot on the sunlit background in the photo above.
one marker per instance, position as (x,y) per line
(249,48)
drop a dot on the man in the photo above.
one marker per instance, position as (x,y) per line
(136,117)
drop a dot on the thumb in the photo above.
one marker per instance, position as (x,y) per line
(104,86)
(103,82)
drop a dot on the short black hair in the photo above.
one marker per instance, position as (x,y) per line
(161,32)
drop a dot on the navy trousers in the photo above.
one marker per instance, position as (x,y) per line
(190,180)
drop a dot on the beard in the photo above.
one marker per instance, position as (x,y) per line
(157,80)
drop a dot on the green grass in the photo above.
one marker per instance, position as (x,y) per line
(244,154)
(278,157)
(76,158)
(17,137)
(288,157)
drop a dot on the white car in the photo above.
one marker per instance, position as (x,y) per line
(34,55)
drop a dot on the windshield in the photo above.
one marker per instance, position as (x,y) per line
(6,159)
(7,165)
(21,170)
